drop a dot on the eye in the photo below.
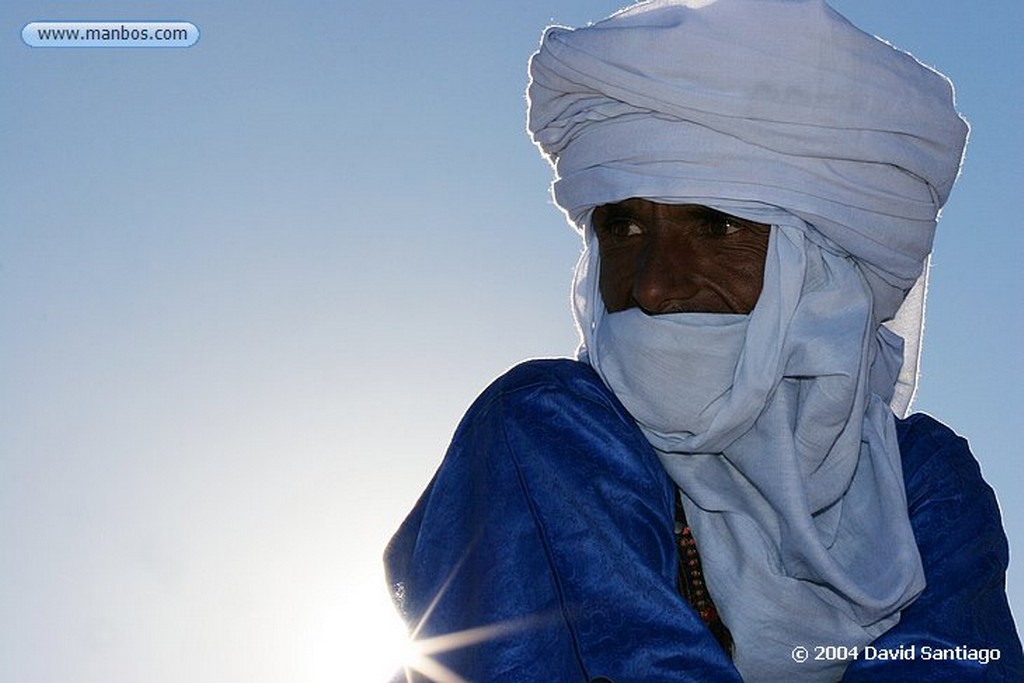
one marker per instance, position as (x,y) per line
(626,228)
(620,228)
(723,226)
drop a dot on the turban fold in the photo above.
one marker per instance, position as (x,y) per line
(782,102)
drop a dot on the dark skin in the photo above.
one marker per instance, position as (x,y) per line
(678,258)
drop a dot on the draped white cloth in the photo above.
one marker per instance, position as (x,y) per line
(778,101)
(781,438)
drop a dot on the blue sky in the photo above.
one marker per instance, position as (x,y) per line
(248,288)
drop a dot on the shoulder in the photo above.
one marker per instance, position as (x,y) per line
(923,429)
(548,377)
(930,449)
(546,371)
(958,527)
(559,389)
(939,468)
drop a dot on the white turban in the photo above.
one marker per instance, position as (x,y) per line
(776,101)
(779,111)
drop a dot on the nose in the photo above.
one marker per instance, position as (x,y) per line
(667,278)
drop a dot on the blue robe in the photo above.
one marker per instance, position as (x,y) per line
(551,519)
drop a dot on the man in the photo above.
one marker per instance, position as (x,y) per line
(719,490)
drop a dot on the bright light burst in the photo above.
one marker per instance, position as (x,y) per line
(421,651)
(358,636)
(420,654)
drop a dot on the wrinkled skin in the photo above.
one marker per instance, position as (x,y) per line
(678,258)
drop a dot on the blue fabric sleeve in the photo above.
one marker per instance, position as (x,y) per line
(543,551)
(546,540)
(964,551)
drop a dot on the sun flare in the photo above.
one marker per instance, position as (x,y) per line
(358,637)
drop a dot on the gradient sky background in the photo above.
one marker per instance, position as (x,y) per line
(247,289)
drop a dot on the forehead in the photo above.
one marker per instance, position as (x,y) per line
(646,209)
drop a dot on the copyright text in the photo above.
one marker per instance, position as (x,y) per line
(832,653)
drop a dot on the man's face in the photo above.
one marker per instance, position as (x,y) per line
(678,258)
